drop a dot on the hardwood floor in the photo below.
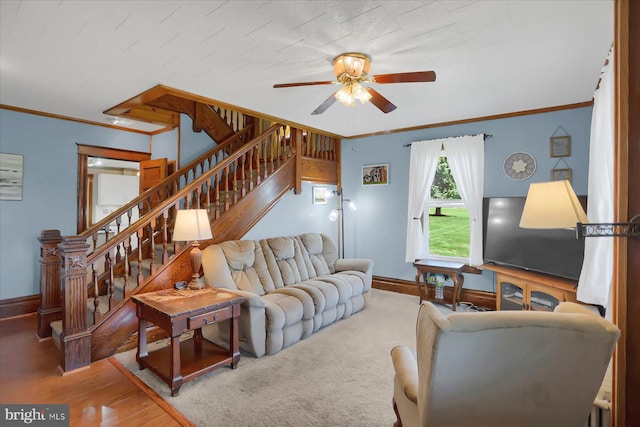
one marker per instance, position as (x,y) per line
(104,394)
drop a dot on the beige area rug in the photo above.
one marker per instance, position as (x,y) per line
(341,375)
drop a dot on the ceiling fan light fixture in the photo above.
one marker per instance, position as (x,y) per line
(360,93)
(351,66)
(345,96)
(350,92)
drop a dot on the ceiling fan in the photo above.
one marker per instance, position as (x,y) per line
(352,69)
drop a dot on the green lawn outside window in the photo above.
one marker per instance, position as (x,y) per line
(449,234)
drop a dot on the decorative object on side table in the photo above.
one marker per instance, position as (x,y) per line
(519,165)
(193,225)
(437,280)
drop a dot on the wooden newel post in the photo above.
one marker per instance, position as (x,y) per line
(75,341)
(50,308)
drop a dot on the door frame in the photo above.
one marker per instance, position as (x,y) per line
(86,151)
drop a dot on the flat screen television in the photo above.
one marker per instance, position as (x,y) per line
(554,252)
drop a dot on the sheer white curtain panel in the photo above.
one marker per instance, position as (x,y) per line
(466,160)
(422,170)
(597,269)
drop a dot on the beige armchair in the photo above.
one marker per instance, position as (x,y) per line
(507,369)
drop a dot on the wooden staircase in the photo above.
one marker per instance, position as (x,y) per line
(87,280)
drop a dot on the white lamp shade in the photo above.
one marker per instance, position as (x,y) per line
(552,205)
(192,224)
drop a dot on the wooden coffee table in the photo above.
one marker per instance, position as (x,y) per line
(179,311)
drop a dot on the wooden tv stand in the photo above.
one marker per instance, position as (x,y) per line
(518,289)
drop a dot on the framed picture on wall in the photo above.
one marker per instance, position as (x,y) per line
(560,146)
(560,174)
(11,176)
(375,174)
(320,195)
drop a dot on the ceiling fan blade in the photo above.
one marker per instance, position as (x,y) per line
(302,84)
(326,104)
(380,101)
(414,77)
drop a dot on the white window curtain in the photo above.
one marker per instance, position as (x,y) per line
(422,170)
(465,155)
(466,160)
(597,269)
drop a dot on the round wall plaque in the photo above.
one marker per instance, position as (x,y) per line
(519,165)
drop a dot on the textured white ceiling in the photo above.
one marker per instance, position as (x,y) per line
(78,59)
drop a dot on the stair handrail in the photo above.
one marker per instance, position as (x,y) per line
(171,183)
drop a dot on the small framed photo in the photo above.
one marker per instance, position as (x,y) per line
(560,174)
(375,174)
(320,195)
(11,166)
(560,146)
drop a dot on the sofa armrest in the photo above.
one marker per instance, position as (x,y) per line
(357,264)
(406,369)
(250,299)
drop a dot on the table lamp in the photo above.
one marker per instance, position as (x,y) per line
(193,225)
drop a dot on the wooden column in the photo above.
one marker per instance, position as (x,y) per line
(296,136)
(50,308)
(627,196)
(75,341)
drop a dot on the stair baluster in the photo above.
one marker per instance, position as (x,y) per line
(96,294)
(110,279)
(140,235)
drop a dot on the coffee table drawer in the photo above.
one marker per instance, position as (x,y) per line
(205,319)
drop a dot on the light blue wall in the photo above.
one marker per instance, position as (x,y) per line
(296,214)
(49,188)
(165,145)
(378,229)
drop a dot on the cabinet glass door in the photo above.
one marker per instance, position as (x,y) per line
(543,301)
(511,297)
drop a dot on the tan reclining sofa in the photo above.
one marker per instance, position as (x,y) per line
(292,286)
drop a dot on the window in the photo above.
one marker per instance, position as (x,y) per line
(465,157)
(448,217)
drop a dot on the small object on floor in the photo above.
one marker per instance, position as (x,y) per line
(180,285)
(472,307)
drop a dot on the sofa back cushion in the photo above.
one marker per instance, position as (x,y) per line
(247,266)
(321,251)
(285,261)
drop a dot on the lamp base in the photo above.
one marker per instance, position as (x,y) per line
(195,257)
(196,283)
